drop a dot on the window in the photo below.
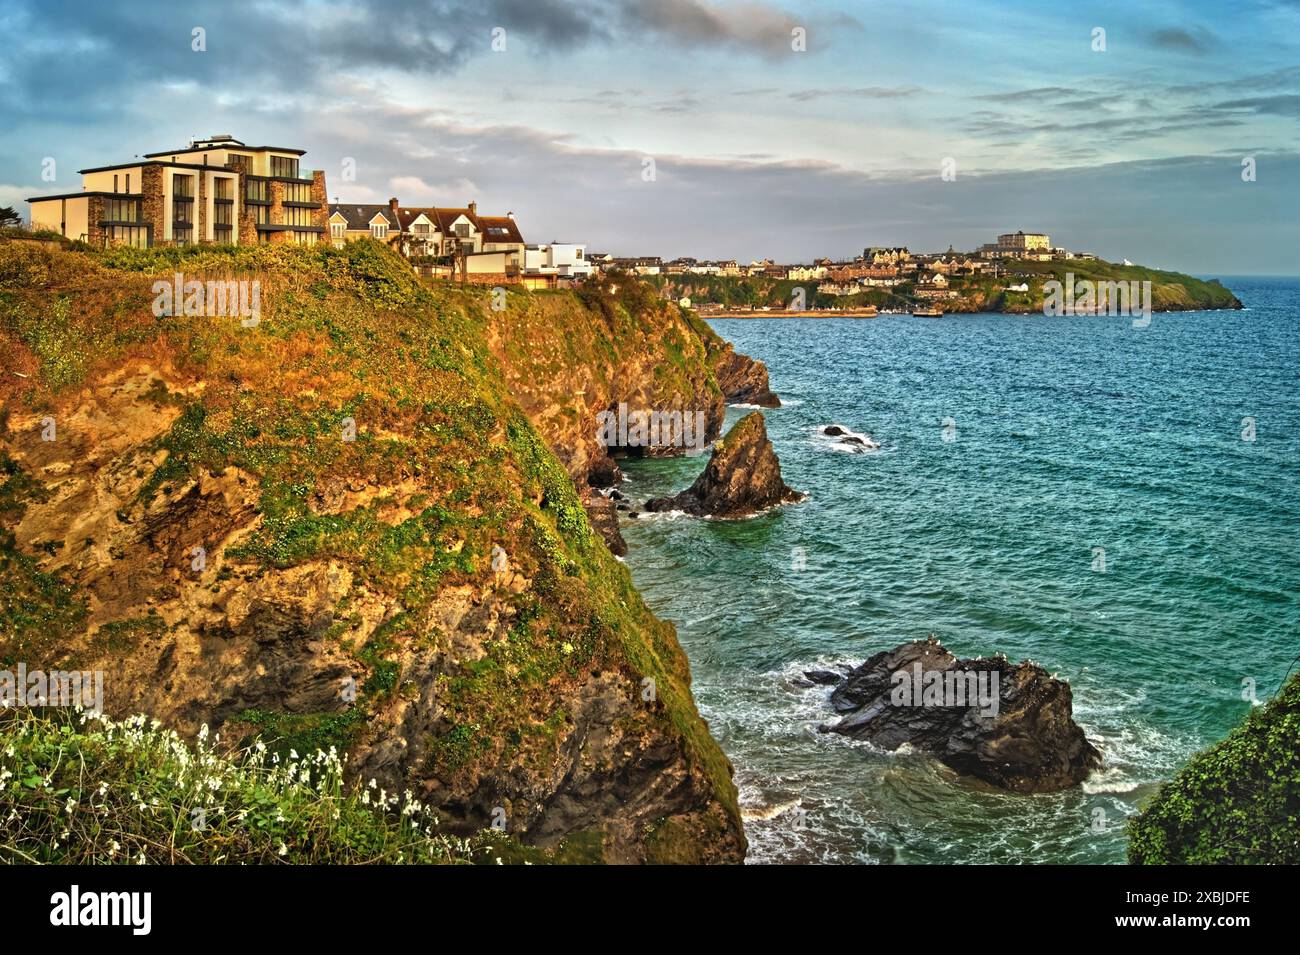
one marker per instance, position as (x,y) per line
(223,189)
(295,215)
(337,229)
(182,235)
(304,238)
(223,214)
(297,192)
(137,235)
(283,166)
(182,186)
(462,230)
(420,229)
(257,190)
(122,210)
(379,230)
(128,182)
(115,182)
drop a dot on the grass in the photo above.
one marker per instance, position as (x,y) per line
(78,789)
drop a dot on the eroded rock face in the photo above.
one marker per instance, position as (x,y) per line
(743,380)
(1008,724)
(742,478)
(208,641)
(602,512)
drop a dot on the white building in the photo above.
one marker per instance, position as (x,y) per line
(557,258)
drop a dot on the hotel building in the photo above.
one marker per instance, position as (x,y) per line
(214,190)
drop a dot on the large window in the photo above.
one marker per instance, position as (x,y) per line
(136,235)
(304,238)
(257,190)
(122,210)
(261,215)
(223,189)
(297,192)
(295,215)
(337,229)
(379,230)
(182,208)
(223,222)
(282,166)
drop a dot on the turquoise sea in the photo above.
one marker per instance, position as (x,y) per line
(1070,434)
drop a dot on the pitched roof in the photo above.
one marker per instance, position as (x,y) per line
(499,229)
(492,228)
(358,216)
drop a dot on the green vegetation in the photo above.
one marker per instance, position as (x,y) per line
(1169,290)
(82,790)
(78,789)
(1237,802)
(377,429)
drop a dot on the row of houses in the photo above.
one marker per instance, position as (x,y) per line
(222,190)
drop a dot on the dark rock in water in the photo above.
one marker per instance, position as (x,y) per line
(833,430)
(852,439)
(603,472)
(743,477)
(743,380)
(603,515)
(824,677)
(1008,724)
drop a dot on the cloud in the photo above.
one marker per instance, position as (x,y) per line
(1196,40)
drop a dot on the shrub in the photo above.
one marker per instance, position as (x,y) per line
(1235,803)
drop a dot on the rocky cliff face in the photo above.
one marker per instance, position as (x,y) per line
(340,528)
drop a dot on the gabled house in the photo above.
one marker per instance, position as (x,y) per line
(348,221)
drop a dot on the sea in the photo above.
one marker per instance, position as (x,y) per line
(1116,502)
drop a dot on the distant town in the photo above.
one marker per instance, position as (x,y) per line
(221,190)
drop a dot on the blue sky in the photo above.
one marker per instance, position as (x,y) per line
(758,148)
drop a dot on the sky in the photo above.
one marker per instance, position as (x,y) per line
(709,128)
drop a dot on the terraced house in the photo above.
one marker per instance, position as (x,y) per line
(489,243)
(213,190)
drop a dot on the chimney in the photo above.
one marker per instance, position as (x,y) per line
(473,209)
(392,206)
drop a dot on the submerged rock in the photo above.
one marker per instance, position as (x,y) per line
(863,441)
(743,477)
(1008,724)
(823,677)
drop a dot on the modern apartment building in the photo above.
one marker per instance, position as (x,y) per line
(214,190)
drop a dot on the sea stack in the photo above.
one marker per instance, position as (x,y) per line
(1008,724)
(742,478)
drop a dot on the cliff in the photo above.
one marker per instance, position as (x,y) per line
(344,524)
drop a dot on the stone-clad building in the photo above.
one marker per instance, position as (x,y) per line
(214,190)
